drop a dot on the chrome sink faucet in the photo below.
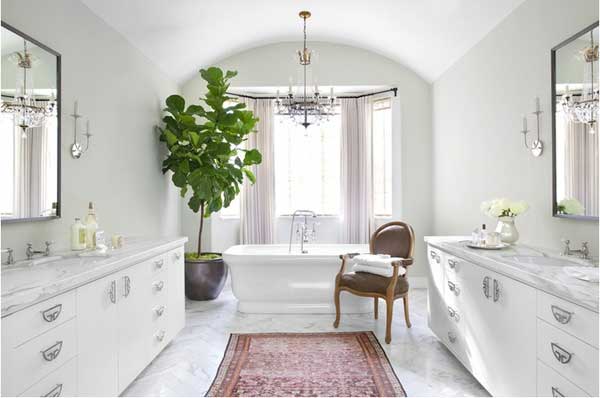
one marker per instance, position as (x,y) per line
(30,253)
(584,252)
(303,231)
(10,260)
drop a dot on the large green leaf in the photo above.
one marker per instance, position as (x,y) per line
(176,102)
(250,175)
(252,156)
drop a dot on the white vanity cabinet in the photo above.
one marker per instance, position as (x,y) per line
(101,334)
(515,339)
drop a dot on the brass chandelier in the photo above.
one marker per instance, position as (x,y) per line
(307,108)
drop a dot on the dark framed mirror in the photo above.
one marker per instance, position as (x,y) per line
(30,129)
(575,126)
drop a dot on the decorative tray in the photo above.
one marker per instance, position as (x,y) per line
(487,247)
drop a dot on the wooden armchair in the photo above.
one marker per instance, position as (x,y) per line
(397,239)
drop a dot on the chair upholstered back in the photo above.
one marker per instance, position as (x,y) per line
(395,238)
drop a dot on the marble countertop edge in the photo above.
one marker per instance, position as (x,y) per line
(17,299)
(573,290)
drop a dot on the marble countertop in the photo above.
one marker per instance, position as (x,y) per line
(550,279)
(24,284)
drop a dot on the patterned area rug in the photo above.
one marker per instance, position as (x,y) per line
(305,365)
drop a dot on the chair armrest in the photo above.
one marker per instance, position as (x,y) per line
(405,262)
(348,256)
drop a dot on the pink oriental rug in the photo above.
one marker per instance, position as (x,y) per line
(348,364)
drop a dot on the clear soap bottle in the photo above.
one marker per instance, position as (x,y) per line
(91,226)
(78,235)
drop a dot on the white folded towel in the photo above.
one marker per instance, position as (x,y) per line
(383,271)
(375,260)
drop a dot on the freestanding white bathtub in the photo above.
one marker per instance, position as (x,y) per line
(268,279)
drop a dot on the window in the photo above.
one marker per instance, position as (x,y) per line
(307,166)
(382,157)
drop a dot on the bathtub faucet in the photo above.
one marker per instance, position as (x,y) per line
(303,231)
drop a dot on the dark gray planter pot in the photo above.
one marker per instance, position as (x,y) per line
(204,279)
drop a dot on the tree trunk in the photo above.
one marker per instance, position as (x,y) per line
(201,227)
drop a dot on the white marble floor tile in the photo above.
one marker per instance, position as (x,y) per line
(188,364)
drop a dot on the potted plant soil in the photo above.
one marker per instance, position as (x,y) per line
(208,160)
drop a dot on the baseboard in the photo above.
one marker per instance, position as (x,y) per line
(417,282)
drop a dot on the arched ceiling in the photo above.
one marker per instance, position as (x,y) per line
(181,36)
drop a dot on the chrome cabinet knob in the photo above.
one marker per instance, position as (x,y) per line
(562,355)
(159,285)
(160,336)
(112,292)
(451,337)
(159,310)
(452,263)
(177,255)
(159,263)
(486,287)
(126,286)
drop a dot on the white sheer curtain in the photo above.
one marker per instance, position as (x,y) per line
(356,171)
(581,166)
(257,215)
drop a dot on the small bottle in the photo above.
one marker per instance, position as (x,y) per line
(78,235)
(91,226)
(483,238)
(476,236)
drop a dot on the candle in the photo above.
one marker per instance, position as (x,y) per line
(76,107)
(524,123)
(537,104)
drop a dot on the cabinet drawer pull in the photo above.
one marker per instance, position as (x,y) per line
(453,288)
(51,353)
(52,313)
(556,392)
(126,286)
(177,255)
(55,392)
(159,263)
(159,285)
(435,256)
(451,337)
(496,290)
(453,314)
(160,336)
(563,356)
(159,310)
(486,287)
(561,316)
(112,292)
(452,263)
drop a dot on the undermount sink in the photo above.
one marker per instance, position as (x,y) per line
(542,260)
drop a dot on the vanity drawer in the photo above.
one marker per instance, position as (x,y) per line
(37,319)
(28,363)
(552,384)
(569,356)
(573,319)
(60,383)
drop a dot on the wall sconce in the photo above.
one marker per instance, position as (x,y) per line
(77,149)
(537,146)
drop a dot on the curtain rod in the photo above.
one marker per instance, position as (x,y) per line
(395,90)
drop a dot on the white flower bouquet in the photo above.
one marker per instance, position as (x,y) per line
(497,208)
(570,206)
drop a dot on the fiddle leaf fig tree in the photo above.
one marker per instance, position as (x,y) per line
(206,154)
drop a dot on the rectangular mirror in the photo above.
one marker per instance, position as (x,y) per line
(29,129)
(575,125)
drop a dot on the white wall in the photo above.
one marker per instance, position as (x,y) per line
(340,65)
(478,103)
(121,92)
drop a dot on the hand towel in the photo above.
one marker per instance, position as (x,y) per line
(387,272)
(375,260)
